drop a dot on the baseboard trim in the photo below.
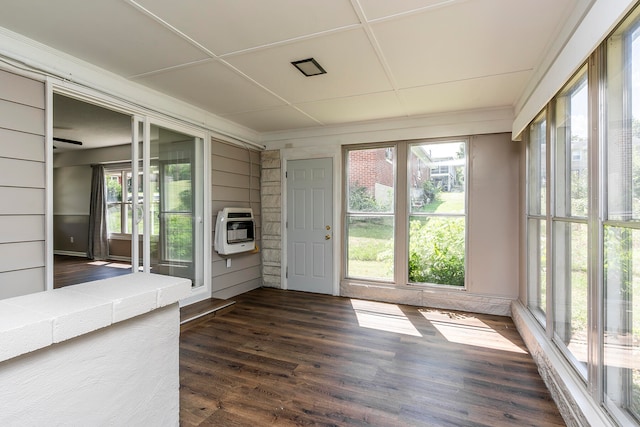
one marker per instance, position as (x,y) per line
(70,253)
(441,298)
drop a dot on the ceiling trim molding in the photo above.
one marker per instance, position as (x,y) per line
(34,57)
(461,123)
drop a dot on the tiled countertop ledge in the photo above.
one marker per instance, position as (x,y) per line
(34,321)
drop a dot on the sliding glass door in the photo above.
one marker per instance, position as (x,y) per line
(168,220)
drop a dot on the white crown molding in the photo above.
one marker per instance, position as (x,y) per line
(461,123)
(33,57)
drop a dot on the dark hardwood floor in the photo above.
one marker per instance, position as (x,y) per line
(71,270)
(290,358)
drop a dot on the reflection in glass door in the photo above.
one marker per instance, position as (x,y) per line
(175,204)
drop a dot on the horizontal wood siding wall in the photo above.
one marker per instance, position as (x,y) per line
(235,178)
(22,185)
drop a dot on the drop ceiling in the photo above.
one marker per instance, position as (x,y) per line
(384,59)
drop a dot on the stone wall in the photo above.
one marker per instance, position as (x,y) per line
(271,190)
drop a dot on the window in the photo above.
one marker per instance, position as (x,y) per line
(119,203)
(593,288)
(622,223)
(370,213)
(570,239)
(427,215)
(536,218)
(437,213)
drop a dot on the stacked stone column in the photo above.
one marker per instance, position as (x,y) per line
(271,190)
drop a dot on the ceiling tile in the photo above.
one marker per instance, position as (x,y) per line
(351,64)
(213,86)
(355,109)
(274,119)
(468,39)
(488,92)
(110,34)
(225,26)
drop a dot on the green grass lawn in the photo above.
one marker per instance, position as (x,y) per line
(445,203)
(371,248)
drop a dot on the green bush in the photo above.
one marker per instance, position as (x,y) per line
(430,192)
(436,251)
(361,200)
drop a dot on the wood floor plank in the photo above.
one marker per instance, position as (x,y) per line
(72,270)
(291,358)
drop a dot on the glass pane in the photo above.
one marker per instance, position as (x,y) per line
(572,126)
(538,167)
(571,288)
(623,127)
(114,217)
(436,177)
(114,199)
(622,318)
(370,246)
(172,203)
(538,265)
(436,250)
(178,244)
(371,180)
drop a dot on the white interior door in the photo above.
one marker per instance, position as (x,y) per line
(310,225)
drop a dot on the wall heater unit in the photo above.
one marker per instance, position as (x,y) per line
(235,231)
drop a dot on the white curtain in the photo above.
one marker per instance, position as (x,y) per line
(98,238)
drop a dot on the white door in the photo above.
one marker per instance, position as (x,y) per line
(309,225)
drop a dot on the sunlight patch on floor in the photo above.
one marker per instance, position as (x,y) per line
(467,329)
(383,317)
(119,265)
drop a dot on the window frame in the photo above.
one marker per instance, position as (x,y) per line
(463,215)
(619,403)
(401,211)
(610,199)
(388,148)
(562,216)
(541,216)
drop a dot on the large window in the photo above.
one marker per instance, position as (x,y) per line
(536,218)
(570,244)
(593,288)
(408,228)
(370,213)
(119,203)
(437,213)
(622,223)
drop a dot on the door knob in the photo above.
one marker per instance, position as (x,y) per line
(327,237)
(328,227)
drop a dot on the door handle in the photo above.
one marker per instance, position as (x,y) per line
(327,237)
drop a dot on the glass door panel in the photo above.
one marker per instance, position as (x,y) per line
(175,204)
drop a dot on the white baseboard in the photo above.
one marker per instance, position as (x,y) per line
(71,253)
